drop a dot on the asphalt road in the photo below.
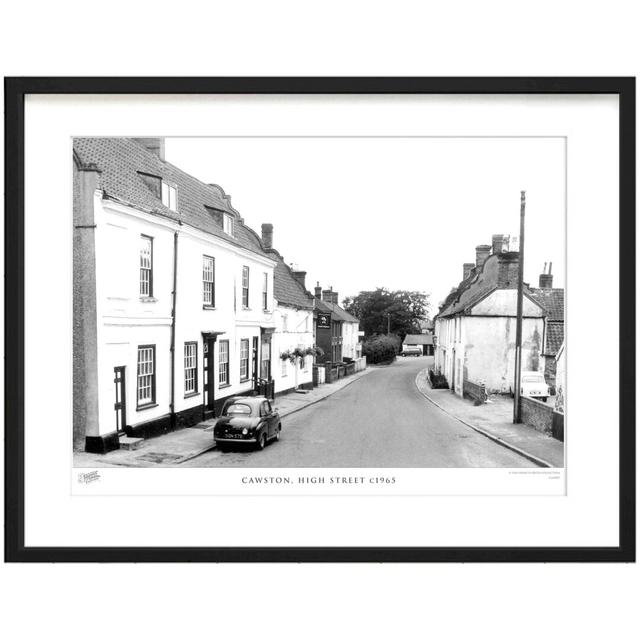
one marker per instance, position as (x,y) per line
(380,420)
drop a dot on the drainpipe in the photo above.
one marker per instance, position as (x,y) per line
(173,329)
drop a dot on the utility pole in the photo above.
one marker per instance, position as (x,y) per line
(518,371)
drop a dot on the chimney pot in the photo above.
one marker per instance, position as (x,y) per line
(267,235)
(499,243)
(300,277)
(546,281)
(466,269)
(482,253)
(318,291)
(154,145)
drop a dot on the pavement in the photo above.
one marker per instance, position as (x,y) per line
(186,444)
(495,420)
(380,420)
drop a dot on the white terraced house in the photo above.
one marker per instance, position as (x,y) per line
(174,307)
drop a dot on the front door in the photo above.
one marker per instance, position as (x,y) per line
(120,405)
(208,377)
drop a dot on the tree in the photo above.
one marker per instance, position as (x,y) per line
(383,311)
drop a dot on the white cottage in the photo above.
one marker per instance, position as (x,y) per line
(475,328)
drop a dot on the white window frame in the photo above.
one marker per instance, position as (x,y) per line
(228,224)
(284,369)
(244,359)
(190,368)
(265,292)
(169,196)
(223,362)
(208,281)
(146,266)
(245,287)
(146,375)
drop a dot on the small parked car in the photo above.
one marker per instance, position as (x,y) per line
(247,420)
(533,385)
(411,350)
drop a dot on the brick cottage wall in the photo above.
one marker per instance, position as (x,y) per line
(536,414)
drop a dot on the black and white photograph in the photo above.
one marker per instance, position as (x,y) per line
(320,320)
(355,312)
(376,302)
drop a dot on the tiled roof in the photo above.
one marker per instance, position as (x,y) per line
(321,306)
(121,160)
(418,338)
(337,310)
(288,290)
(552,300)
(555,337)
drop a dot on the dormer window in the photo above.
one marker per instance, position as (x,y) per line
(169,196)
(228,224)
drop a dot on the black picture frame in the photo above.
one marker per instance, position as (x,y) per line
(15,91)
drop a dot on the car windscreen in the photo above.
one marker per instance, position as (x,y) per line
(237,409)
(538,379)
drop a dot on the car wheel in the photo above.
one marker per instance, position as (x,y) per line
(278,430)
(262,441)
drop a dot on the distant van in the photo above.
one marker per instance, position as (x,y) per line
(411,350)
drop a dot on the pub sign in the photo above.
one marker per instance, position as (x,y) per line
(324,321)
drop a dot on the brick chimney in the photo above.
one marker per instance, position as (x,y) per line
(482,253)
(267,235)
(300,277)
(546,279)
(318,291)
(327,295)
(499,243)
(155,145)
(466,269)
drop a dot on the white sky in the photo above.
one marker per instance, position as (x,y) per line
(403,213)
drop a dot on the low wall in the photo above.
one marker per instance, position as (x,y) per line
(475,391)
(361,363)
(536,414)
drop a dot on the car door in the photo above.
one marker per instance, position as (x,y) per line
(266,417)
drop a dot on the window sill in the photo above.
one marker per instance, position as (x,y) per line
(208,307)
(246,308)
(143,407)
(224,386)
(193,394)
(244,380)
(148,299)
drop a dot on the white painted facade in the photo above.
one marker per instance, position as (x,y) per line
(127,320)
(351,347)
(480,346)
(294,328)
